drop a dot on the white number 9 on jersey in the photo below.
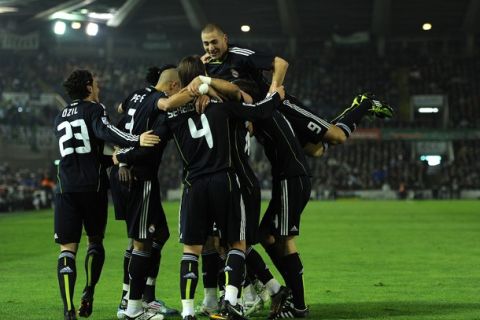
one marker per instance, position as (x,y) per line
(204,132)
(82,136)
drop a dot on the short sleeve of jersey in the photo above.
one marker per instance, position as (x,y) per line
(256,59)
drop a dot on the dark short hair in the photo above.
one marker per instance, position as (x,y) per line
(76,84)
(189,68)
(153,73)
(250,87)
(210,27)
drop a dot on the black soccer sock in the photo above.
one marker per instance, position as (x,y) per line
(257,266)
(67,275)
(126,277)
(221,272)
(349,121)
(294,279)
(272,252)
(188,275)
(235,268)
(155,258)
(137,270)
(210,260)
(93,265)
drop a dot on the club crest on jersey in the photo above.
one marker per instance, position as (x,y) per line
(235,73)
(105,121)
(151,229)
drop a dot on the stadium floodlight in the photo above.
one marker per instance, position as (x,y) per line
(245,28)
(76,25)
(59,27)
(100,16)
(8,9)
(427,26)
(92,29)
(428,110)
(432,160)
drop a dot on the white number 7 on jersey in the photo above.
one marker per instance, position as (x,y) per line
(204,132)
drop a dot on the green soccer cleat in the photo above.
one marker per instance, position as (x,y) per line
(380,110)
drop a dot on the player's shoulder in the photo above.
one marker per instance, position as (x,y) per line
(240,51)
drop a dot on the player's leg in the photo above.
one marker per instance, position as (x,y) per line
(68,229)
(96,206)
(195,225)
(210,267)
(162,234)
(296,193)
(229,210)
(126,280)
(141,221)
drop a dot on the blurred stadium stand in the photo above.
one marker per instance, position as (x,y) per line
(335,49)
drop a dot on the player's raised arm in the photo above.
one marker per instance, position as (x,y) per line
(258,111)
(108,132)
(280,67)
(177,100)
(201,84)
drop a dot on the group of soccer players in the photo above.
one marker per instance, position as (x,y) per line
(209,106)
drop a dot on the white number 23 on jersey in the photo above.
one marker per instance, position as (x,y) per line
(82,136)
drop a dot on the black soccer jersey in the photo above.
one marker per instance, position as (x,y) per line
(203,140)
(81,128)
(281,147)
(141,114)
(241,63)
(240,142)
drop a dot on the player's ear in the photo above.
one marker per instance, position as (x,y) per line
(225,37)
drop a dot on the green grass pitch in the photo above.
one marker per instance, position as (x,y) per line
(363,260)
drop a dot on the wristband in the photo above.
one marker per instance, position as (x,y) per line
(205,79)
(203,88)
(121,164)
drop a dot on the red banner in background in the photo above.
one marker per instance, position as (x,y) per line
(366,134)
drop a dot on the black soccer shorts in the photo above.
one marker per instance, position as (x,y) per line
(120,193)
(307,125)
(212,199)
(145,217)
(75,210)
(289,198)
(252,199)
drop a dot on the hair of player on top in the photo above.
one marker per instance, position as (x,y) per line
(250,87)
(210,27)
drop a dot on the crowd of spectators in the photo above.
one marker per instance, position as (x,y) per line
(25,189)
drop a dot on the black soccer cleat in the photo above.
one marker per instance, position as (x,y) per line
(279,299)
(229,312)
(189,318)
(86,304)
(289,311)
(70,315)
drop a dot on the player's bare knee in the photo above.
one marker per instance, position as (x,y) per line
(73,247)
(142,245)
(267,240)
(335,135)
(239,245)
(194,249)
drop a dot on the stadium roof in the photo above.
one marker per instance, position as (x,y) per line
(182,19)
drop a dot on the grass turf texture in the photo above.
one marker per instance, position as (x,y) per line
(363,260)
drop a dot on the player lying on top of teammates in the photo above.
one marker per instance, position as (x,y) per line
(231,62)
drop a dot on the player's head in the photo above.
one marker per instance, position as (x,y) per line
(81,85)
(249,90)
(168,80)
(189,68)
(153,73)
(215,41)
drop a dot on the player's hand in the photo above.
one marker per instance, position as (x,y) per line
(249,126)
(281,92)
(214,94)
(201,103)
(147,139)
(206,58)
(193,86)
(125,175)
(114,158)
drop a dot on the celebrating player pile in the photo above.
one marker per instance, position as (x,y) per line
(210,107)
